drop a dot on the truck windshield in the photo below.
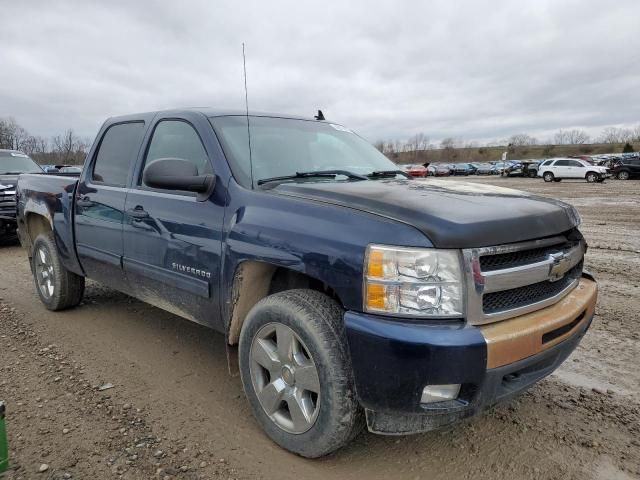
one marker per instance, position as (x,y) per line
(16,163)
(282,147)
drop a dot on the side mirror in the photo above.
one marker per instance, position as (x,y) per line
(178,174)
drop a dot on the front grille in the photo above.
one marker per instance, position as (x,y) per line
(496,302)
(7,205)
(489,263)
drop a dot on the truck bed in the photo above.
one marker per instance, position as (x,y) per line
(50,197)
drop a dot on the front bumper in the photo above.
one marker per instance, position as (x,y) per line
(393,361)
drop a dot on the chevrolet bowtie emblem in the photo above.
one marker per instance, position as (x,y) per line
(561,265)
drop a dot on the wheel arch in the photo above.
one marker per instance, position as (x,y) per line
(254,280)
(35,223)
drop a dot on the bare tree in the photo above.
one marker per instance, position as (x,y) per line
(616,135)
(12,135)
(570,137)
(522,139)
(69,148)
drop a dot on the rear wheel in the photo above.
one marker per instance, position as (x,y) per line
(57,287)
(297,374)
(533,173)
(592,177)
(623,175)
(548,177)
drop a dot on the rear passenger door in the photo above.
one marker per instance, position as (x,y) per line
(172,241)
(100,200)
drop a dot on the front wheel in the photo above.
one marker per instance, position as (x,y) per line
(57,287)
(592,177)
(296,372)
(548,177)
(623,175)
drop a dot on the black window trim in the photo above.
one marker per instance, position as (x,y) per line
(90,179)
(136,184)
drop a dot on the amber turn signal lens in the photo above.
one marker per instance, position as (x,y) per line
(376,296)
(375,266)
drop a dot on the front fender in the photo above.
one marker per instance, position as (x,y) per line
(323,241)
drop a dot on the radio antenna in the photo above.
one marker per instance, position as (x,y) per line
(246,104)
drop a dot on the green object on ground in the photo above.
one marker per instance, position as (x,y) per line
(4,446)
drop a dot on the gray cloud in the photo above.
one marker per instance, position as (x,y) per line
(472,69)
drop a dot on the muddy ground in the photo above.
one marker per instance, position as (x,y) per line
(174,412)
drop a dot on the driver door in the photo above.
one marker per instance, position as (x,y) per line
(172,241)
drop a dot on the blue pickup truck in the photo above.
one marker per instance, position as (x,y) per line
(349,294)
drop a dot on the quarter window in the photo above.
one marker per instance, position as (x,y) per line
(178,139)
(118,150)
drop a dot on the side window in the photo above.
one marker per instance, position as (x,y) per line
(562,163)
(574,163)
(118,150)
(547,163)
(178,139)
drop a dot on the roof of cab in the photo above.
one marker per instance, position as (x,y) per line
(212,112)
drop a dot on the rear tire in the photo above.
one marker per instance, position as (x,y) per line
(533,173)
(592,177)
(548,177)
(623,175)
(309,324)
(57,287)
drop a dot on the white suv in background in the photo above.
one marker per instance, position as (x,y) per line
(555,169)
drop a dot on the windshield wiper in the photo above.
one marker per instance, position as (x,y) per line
(315,174)
(388,174)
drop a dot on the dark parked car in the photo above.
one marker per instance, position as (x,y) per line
(355,294)
(463,169)
(626,168)
(12,164)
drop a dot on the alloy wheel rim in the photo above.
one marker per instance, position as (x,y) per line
(285,378)
(44,273)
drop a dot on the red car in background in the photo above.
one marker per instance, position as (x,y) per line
(416,170)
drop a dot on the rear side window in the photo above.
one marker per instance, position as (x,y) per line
(562,163)
(178,139)
(118,150)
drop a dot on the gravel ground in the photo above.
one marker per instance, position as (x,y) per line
(174,412)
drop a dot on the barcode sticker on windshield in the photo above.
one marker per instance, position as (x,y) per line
(340,127)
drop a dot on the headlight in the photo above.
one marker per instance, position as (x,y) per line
(413,282)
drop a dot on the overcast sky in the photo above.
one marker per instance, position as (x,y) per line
(473,69)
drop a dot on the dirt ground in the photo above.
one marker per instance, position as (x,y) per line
(174,412)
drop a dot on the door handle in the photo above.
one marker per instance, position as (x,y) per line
(138,213)
(84,202)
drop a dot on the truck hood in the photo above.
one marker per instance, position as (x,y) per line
(451,214)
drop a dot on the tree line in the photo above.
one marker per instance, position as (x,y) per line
(66,148)
(420,142)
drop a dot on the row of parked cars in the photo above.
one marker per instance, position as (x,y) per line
(512,168)
(593,169)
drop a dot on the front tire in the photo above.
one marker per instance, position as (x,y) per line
(57,287)
(592,177)
(548,177)
(623,175)
(296,372)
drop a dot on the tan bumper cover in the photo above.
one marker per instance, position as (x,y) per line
(517,338)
